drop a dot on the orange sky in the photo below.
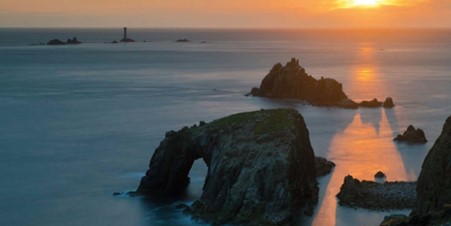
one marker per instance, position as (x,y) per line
(223,13)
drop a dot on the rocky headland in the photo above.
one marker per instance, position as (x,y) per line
(433,203)
(261,168)
(412,136)
(292,82)
(377,196)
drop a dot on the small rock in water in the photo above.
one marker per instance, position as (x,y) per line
(388,103)
(380,174)
(412,135)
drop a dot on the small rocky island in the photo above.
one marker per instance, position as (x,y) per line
(292,82)
(70,41)
(126,38)
(412,136)
(261,168)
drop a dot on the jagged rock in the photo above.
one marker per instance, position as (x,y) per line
(434,182)
(261,168)
(55,42)
(380,174)
(323,166)
(388,103)
(375,196)
(412,135)
(371,104)
(291,81)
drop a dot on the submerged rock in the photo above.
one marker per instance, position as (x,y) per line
(261,168)
(375,196)
(291,81)
(412,135)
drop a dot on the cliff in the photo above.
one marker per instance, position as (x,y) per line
(261,168)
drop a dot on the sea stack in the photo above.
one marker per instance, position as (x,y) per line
(125,38)
(261,168)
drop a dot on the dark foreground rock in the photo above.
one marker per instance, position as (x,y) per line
(376,196)
(412,135)
(261,168)
(433,203)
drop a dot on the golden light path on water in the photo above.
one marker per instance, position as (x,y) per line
(365,146)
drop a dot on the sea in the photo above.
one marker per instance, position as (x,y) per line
(80,122)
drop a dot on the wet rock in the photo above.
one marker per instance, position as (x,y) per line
(412,135)
(371,104)
(261,168)
(371,195)
(395,220)
(323,166)
(388,103)
(291,81)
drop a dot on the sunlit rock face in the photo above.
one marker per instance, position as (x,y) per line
(261,168)
(434,182)
(291,81)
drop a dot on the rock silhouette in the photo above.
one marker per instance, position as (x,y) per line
(261,168)
(412,135)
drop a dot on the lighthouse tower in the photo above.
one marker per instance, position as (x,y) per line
(125,38)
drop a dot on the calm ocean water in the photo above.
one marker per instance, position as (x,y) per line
(81,122)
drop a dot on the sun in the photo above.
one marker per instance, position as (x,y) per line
(366,2)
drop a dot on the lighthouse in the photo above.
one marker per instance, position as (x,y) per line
(125,38)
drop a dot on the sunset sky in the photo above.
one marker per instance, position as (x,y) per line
(225,13)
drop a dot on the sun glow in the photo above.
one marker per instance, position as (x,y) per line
(366,2)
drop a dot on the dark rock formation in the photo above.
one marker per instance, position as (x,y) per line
(55,42)
(73,41)
(397,219)
(412,135)
(261,168)
(388,103)
(434,182)
(372,195)
(371,104)
(291,81)
(182,40)
(380,174)
(323,166)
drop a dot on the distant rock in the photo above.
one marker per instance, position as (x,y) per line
(73,41)
(371,104)
(182,40)
(261,168)
(412,135)
(114,42)
(55,42)
(380,174)
(388,103)
(376,196)
(323,166)
(291,81)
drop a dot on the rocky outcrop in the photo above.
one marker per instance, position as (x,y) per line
(412,135)
(323,166)
(371,104)
(376,196)
(434,182)
(388,103)
(261,168)
(291,81)
(72,41)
